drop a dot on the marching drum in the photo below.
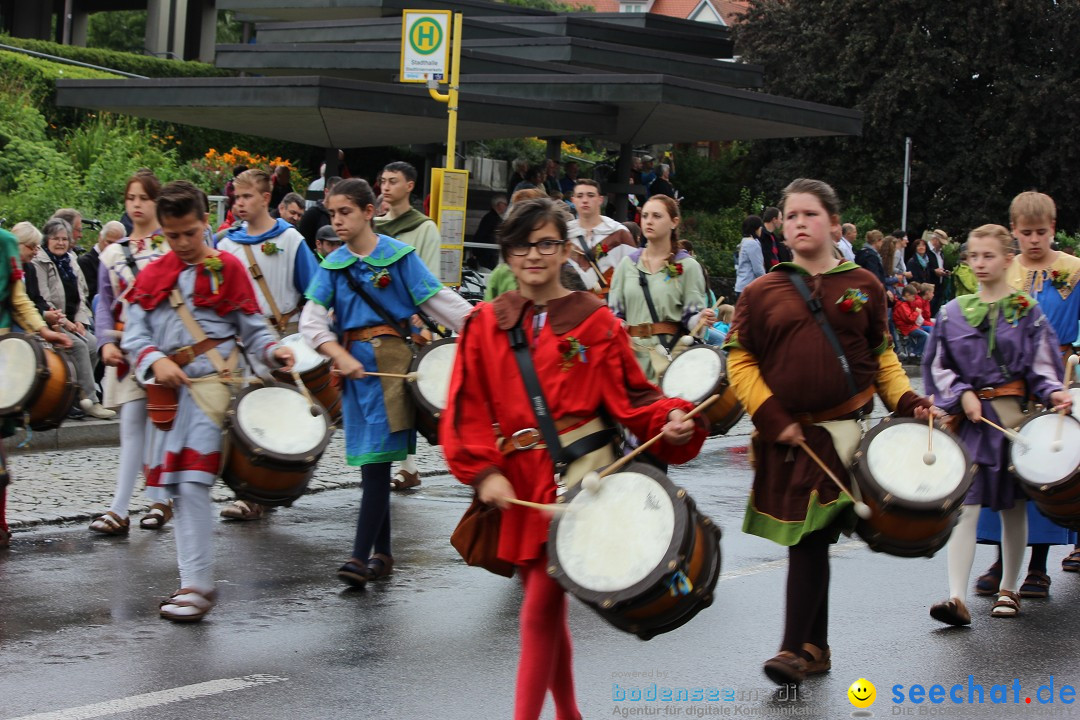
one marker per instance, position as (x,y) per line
(697,374)
(433,365)
(314,371)
(637,551)
(38,382)
(1047,466)
(914,504)
(273,443)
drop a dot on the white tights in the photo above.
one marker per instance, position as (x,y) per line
(409,464)
(961,550)
(194,531)
(132,442)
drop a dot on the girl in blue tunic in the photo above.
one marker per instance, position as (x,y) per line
(372,285)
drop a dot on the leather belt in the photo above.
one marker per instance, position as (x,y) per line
(187,354)
(1010,389)
(835,413)
(532,438)
(645,330)
(367,333)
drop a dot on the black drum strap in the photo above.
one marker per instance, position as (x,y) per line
(818,311)
(643,280)
(129,259)
(561,456)
(403,327)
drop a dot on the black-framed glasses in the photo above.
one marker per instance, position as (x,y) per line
(544,247)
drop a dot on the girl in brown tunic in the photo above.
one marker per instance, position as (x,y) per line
(786,374)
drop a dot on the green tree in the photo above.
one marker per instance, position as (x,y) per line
(983,89)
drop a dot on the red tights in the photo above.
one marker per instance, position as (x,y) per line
(545,647)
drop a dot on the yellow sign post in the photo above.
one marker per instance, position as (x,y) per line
(424,39)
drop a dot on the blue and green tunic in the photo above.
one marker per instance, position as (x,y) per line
(396,278)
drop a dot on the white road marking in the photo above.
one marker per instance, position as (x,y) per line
(153,699)
(777,564)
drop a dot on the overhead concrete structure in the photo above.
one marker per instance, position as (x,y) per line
(329,79)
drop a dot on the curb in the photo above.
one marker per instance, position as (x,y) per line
(72,434)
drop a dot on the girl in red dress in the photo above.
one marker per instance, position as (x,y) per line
(585,366)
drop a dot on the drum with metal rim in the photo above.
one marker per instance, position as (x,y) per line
(274,439)
(314,371)
(37,382)
(700,372)
(434,366)
(914,504)
(1046,461)
(636,550)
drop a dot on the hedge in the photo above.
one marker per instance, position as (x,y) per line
(126,62)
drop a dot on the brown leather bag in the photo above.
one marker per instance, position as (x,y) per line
(476,538)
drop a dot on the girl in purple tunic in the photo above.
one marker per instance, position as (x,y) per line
(987,352)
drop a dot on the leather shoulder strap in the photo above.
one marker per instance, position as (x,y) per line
(257,275)
(176,300)
(382,312)
(818,312)
(129,259)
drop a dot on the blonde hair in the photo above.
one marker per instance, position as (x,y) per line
(725,313)
(996,232)
(27,234)
(1033,206)
(254,178)
(873,236)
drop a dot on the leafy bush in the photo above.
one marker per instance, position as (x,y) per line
(123,61)
(1066,241)
(710,185)
(716,235)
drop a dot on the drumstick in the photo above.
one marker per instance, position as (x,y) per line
(537,506)
(861,508)
(591,481)
(1012,435)
(929,457)
(303,388)
(1069,368)
(701,323)
(411,377)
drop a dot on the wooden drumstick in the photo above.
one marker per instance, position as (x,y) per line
(538,506)
(312,408)
(701,323)
(411,377)
(929,457)
(1012,435)
(1070,367)
(861,508)
(591,480)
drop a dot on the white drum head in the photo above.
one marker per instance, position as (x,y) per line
(1075,392)
(279,420)
(1036,461)
(433,374)
(895,459)
(693,375)
(307,358)
(612,539)
(18,368)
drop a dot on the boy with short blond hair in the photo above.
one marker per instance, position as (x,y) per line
(1049,276)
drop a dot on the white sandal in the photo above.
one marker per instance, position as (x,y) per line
(187,605)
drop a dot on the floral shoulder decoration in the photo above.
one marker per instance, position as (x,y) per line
(673,270)
(214,268)
(572,351)
(602,250)
(852,300)
(270,248)
(1017,306)
(1059,279)
(381,279)
(156,241)
(17,273)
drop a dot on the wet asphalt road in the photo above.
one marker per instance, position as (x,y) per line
(79,626)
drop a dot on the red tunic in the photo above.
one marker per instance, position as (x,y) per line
(486,388)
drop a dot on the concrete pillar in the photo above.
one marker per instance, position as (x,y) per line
(330,157)
(178,28)
(554,149)
(32,20)
(158,14)
(80,20)
(201,30)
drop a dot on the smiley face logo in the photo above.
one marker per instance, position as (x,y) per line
(862,693)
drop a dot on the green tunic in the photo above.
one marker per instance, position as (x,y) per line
(678,296)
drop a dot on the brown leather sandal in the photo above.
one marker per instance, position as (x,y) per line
(785,668)
(187,605)
(1007,605)
(156,517)
(111,524)
(951,612)
(817,661)
(243,510)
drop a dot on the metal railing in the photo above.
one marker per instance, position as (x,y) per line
(69,61)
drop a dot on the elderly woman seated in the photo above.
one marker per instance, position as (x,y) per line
(56,285)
